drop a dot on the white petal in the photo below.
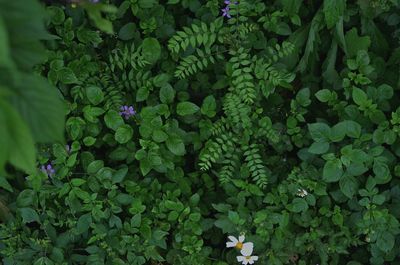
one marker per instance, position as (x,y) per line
(230,244)
(247,249)
(233,239)
(253,259)
(240,258)
(241,238)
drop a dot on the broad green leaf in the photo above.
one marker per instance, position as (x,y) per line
(42,109)
(28,215)
(355,43)
(5,55)
(123,134)
(382,172)
(385,241)
(320,132)
(332,171)
(151,49)
(349,186)
(167,94)
(142,94)
(359,96)
(127,31)
(22,155)
(298,205)
(113,120)
(83,223)
(353,129)
(94,94)
(209,106)
(176,145)
(186,108)
(333,10)
(319,148)
(145,166)
(323,95)
(67,76)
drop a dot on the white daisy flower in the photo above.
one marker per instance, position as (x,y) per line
(238,243)
(247,259)
(302,193)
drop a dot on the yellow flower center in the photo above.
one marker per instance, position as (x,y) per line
(239,245)
(248,257)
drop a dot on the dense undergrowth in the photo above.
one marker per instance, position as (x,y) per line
(185,123)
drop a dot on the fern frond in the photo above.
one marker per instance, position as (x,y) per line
(242,79)
(236,111)
(220,127)
(215,150)
(258,171)
(196,35)
(230,167)
(266,130)
(279,51)
(192,63)
(126,57)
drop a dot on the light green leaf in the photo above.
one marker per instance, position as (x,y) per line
(319,148)
(176,145)
(167,94)
(113,120)
(123,134)
(298,205)
(67,76)
(209,106)
(349,186)
(186,108)
(94,94)
(332,171)
(385,241)
(23,153)
(151,49)
(28,215)
(320,132)
(359,96)
(355,43)
(42,109)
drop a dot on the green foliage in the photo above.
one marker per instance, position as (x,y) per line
(281,122)
(31,110)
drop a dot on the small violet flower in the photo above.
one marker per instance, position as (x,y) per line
(225,12)
(127,112)
(48,170)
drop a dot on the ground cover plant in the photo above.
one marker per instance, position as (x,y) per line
(200,132)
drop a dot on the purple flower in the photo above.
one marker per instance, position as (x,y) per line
(225,12)
(127,112)
(48,170)
(94,1)
(227,2)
